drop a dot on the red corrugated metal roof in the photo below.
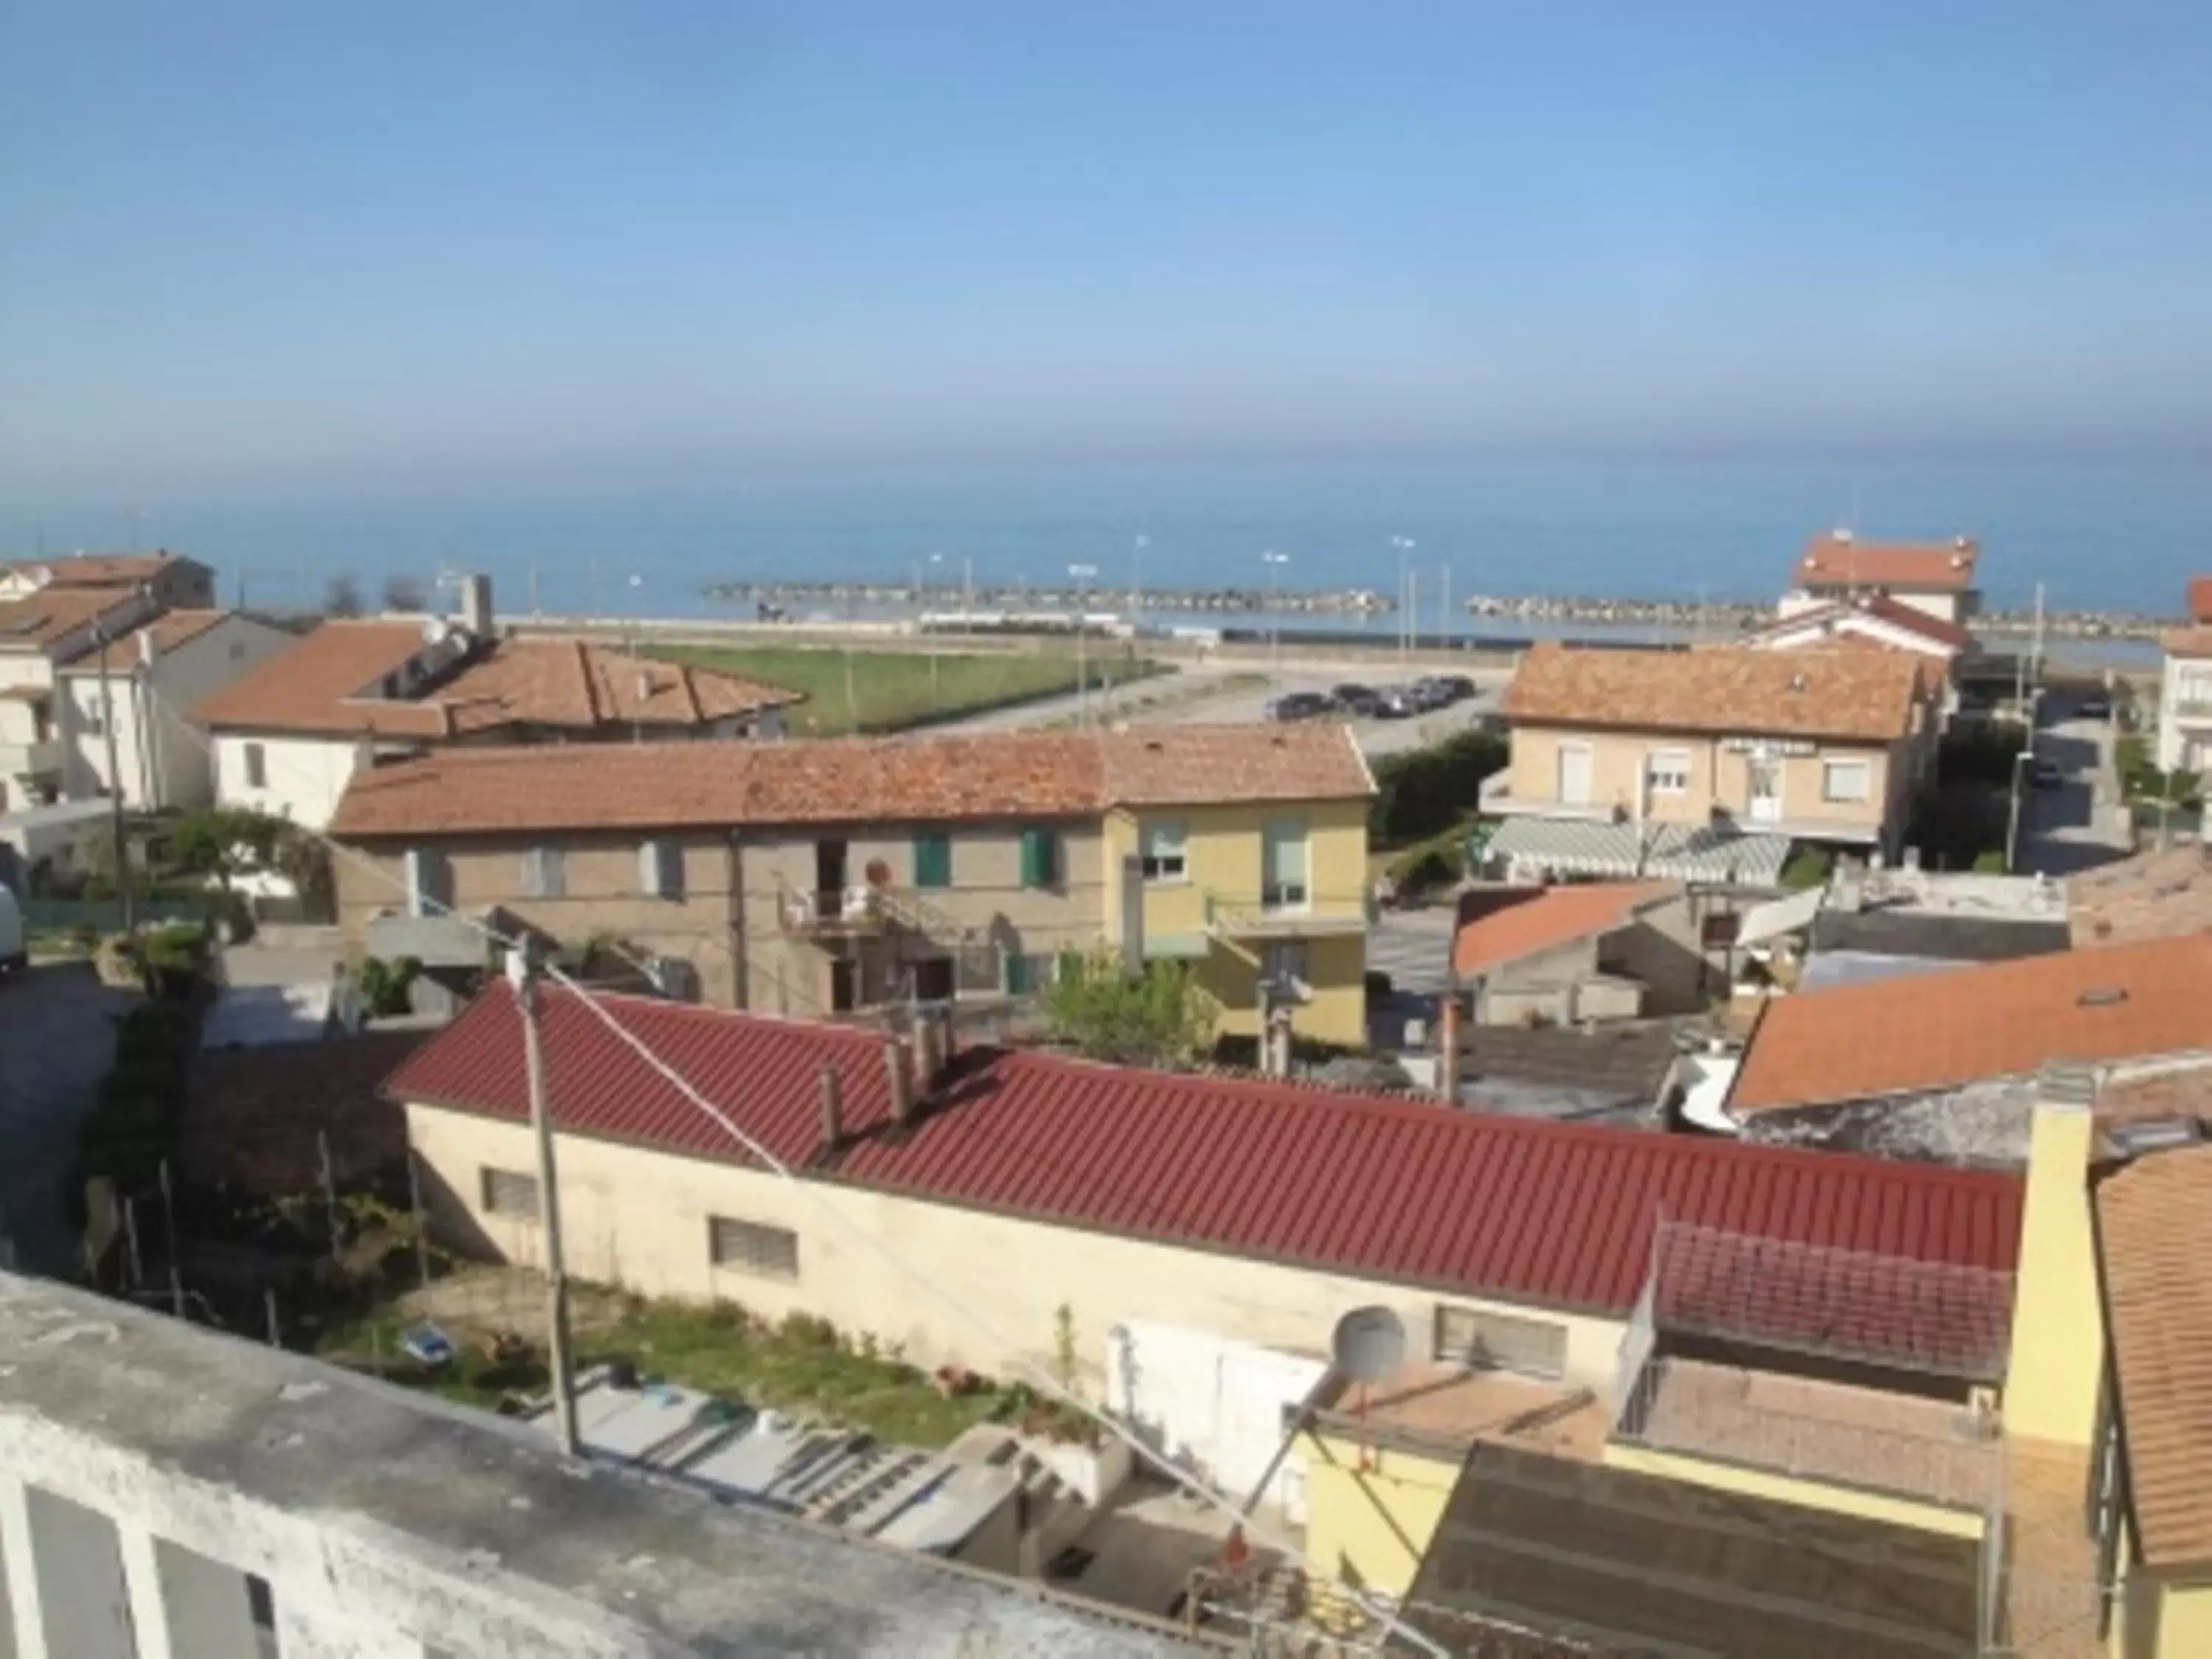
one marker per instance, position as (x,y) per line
(1558,1214)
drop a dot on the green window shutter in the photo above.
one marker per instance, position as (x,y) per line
(1018,974)
(1040,858)
(933,861)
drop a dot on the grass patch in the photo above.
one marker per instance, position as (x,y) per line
(801,1366)
(894,690)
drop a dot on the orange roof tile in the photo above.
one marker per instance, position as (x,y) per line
(2154,1243)
(1499,924)
(98,569)
(955,776)
(53,613)
(2200,598)
(1998,1019)
(170,629)
(1879,607)
(1865,697)
(2154,895)
(2187,642)
(1838,559)
(317,685)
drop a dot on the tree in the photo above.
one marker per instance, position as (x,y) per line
(343,597)
(404,595)
(225,842)
(1162,1017)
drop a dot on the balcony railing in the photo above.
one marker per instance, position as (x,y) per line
(435,941)
(831,913)
(1286,912)
(2192,706)
(30,760)
(1936,1451)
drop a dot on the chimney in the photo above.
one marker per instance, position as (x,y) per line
(147,652)
(2058,1357)
(928,1050)
(1448,1050)
(475,605)
(833,1108)
(900,1076)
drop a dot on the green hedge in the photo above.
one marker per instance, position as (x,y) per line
(133,1124)
(1421,793)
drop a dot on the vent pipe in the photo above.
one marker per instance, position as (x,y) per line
(1448,1051)
(928,1050)
(833,1108)
(898,1075)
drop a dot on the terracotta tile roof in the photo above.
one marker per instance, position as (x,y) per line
(954,777)
(315,686)
(2200,598)
(2154,1240)
(1499,924)
(1838,559)
(1862,697)
(2154,895)
(2187,642)
(170,629)
(1946,636)
(97,570)
(1995,1020)
(1553,1214)
(54,612)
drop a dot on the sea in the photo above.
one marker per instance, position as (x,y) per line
(2099,533)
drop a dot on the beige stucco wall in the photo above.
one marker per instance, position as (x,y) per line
(605,893)
(638,1217)
(985,914)
(1718,776)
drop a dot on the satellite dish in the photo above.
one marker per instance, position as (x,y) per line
(1369,1345)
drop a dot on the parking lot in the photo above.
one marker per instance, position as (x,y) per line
(1377,737)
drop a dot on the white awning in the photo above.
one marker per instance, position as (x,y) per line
(1778,916)
(1532,849)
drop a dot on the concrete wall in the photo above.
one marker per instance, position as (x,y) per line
(639,1219)
(2056,1368)
(605,893)
(305,775)
(2163,1614)
(163,759)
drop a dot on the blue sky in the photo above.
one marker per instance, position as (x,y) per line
(247,245)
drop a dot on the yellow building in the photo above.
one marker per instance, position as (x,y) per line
(813,879)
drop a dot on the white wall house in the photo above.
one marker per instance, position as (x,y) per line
(285,774)
(155,676)
(2185,707)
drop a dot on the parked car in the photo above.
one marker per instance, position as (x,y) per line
(1398,702)
(2095,709)
(1297,706)
(1458,685)
(2045,774)
(1431,693)
(1355,698)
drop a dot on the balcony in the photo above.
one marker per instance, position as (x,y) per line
(1284,913)
(41,759)
(831,914)
(441,941)
(1496,798)
(1931,1451)
(2192,705)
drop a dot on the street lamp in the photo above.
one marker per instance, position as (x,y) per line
(1136,583)
(1275,561)
(1082,574)
(935,559)
(1405,545)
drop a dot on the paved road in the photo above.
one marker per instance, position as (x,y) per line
(2076,826)
(56,1038)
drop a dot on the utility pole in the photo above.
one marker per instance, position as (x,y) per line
(522,972)
(1412,611)
(1443,608)
(1082,574)
(123,891)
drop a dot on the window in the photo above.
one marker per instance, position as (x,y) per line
(257,766)
(1025,974)
(1162,853)
(661,869)
(544,875)
(429,881)
(933,861)
(1666,771)
(769,1252)
(1501,1342)
(1284,963)
(510,1192)
(1040,858)
(95,727)
(1283,865)
(1845,780)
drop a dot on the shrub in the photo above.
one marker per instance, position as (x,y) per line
(384,986)
(1990,863)
(1162,1017)
(1420,792)
(1807,866)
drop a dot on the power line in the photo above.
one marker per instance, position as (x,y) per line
(1009,1353)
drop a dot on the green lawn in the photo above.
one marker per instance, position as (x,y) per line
(800,1366)
(891,691)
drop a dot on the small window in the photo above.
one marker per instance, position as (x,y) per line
(1040,858)
(1283,865)
(544,873)
(1163,852)
(1501,1342)
(661,869)
(1028,973)
(1666,771)
(933,859)
(97,727)
(257,766)
(429,882)
(510,1192)
(750,1247)
(1283,962)
(1845,781)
